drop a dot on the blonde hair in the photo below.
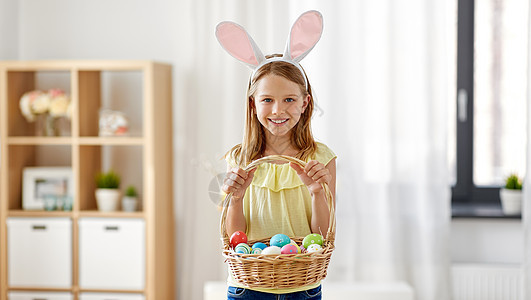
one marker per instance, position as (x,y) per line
(253,144)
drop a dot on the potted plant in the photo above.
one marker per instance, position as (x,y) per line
(107,192)
(511,195)
(130,199)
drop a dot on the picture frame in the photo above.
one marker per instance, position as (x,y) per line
(43,181)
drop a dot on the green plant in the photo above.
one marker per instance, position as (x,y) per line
(108,180)
(513,182)
(131,191)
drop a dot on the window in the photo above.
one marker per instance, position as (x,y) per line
(489,114)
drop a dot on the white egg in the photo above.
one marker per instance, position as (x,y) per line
(314,248)
(271,250)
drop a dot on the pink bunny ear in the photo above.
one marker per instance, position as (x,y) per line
(305,33)
(237,42)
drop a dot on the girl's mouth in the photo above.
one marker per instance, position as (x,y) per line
(278,121)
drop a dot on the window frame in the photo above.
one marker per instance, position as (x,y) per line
(465,192)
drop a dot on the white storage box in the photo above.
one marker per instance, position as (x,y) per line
(112,254)
(109,296)
(39,252)
(39,296)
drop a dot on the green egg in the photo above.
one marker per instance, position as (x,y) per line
(313,238)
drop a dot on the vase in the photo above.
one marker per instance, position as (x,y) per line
(45,125)
(48,125)
(62,126)
(511,201)
(129,203)
(108,199)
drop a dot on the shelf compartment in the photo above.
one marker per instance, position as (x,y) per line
(21,82)
(121,91)
(22,156)
(126,160)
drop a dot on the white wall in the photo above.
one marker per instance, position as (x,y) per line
(160,30)
(9,29)
(494,241)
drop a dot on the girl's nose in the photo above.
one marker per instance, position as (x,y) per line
(277,108)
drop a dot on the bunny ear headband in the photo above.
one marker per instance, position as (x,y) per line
(304,34)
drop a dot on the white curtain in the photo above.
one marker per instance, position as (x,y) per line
(383,82)
(526,206)
(380,79)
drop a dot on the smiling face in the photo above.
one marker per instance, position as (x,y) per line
(290,103)
(278,104)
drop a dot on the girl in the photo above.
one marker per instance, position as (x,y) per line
(278,198)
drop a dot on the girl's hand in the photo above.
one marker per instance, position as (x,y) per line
(236,182)
(313,175)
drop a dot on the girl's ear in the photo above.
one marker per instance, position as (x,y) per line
(305,103)
(251,105)
(238,43)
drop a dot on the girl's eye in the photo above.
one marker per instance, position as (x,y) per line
(267,100)
(289,100)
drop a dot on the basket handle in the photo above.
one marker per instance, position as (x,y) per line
(271,158)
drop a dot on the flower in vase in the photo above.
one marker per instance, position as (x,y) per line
(41,104)
(56,93)
(53,102)
(59,106)
(33,103)
(69,111)
(25,105)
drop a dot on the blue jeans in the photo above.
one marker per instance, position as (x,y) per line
(234,293)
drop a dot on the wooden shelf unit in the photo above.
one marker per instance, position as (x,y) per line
(84,150)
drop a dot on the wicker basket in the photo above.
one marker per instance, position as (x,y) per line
(284,270)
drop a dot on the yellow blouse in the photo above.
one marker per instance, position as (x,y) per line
(277,201)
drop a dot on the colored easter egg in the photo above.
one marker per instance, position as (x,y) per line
(272,250)
(314,248)
(259,245)
(289,249)
(292,242)
(256,251)
(242,248)
(237,238)
(279,240)
(313,238)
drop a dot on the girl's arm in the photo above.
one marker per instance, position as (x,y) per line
(236,181)
(235,220)
(313,175)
